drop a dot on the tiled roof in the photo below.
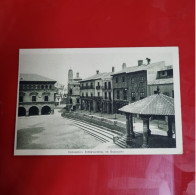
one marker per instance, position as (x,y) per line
(97,76)
(157,104)
(161,81)
(34,77)
(137,68)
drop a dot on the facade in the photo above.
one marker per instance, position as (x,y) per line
(73,93)
(130,84)
(96,93)
(60,93)
(164,81)
(107,92)
(36,95)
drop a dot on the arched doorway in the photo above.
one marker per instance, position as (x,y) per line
(21,111)
(46,110)
(33,111)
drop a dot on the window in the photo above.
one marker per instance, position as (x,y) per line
(141,95)
(46,98)
(86,94)
(70,91)
(82,94)
(132,96)
(109,85)
(42,86)
(20,98)
(123,79)
(110,96)
(105,84)
(34,98)
(118,94)
(98,94)
(116,79)
(91,94)
(106,95)
(98,83)
(78,101)
(70,101)
(132,80)
(50,87)
(125,94)
(170,73)
(46,86)
(91,85)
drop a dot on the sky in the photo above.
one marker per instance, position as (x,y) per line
(55,63)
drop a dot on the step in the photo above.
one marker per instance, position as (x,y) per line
(95,133)
(105,128)
(96,129)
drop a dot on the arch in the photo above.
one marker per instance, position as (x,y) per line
(46,110)
(33,111)
(21,111)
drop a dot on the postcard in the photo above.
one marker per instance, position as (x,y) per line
(98,101)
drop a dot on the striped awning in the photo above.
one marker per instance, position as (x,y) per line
(157,104)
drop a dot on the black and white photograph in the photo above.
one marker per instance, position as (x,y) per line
(98,101)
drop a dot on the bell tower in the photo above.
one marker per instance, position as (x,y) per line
(70,75)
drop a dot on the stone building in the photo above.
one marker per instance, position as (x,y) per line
(60,93)
(36,95)
(96,93)
(107,91)
(164,81)
(130,84)
(73,93)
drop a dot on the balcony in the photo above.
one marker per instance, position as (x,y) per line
(87,87)
(98,87)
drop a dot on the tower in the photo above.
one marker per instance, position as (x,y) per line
(70,75)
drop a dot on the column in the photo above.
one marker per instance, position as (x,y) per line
(148,127)
(128,136)
(131,126)
(169,132)
(145,119)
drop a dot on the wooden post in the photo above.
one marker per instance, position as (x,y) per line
(148,127)
(145,119)
(128,136)
(169,132)
(131,126)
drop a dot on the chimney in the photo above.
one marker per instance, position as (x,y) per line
(140,62)
(113,69)
(97,71)
(124,66)
(77,75)
(148,60)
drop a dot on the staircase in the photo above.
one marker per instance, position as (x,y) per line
(102,134)
(99,133)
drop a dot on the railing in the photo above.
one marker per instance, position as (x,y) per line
(98,87)
(87,87)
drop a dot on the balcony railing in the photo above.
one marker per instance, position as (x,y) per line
(98,87)
(87,87)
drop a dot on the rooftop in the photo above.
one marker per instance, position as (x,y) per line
(34,77)
(161,81)
(157,104)
(98,76)
(137,68)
